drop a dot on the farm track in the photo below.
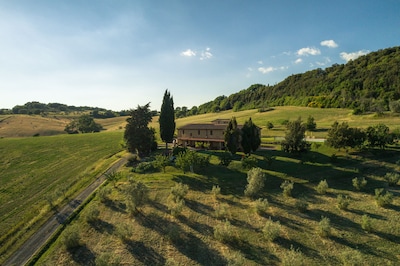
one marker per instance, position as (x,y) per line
(44,233)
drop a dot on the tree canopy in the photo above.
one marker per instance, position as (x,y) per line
(232,136)
(251,138)
(83,124)
(167,119)
(139,136)
(294,138)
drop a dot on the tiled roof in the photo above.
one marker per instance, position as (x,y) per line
(204,126)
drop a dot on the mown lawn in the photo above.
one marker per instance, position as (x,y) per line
(155,237)
(40,173)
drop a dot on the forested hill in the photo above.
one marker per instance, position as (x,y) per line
(369,83)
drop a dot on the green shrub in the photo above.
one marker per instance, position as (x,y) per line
(249,162)
(366,223)
(144,167)
(352,257)
(322,187)
(255,180)
(223,232)
(225,158)
(176,206)
(176,201)
(359,183)
(133,159)
(292,257)
(383,198)
(392,178)
(161,162)
(136,194)
(301,205)
(92,213)
(71,237)
(179,191)
(261,205)
(236,258)
(103,193)
(221,211)
(343,202)
(287,187)
(324,227)
(271,230)
(124,231)
(107,259)
(216,190)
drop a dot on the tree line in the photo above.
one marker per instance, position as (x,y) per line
(371,83)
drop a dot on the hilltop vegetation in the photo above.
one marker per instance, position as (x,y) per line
(371,83)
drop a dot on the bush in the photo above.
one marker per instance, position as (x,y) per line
(103,193)
(366,224)
(176,201)
(301,205)
(287,187)
(92,213)
(191,160)
(136,195)
(71,237)
(255,180)
(293,257)
(225,159)
(324,227)
(249,162)
(383,198)
(359,183)
(261,205)
(271,230)
(176,206)
(392,178)
(352,257)
(161,162)
(124,232)
(322,187)
(133,159)
(216,190)
(221,211)
(343,202)
(236,258)
(179,191)
(144,167)
(223,232)
(107,259)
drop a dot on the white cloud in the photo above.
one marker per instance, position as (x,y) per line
(308,51)
(329,43)
(188,53)
(260,62)
(298,61)
(206,54)
(352,56)
(266,70)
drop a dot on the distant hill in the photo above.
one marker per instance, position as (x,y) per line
(369,83)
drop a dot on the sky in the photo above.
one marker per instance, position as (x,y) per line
(118,54)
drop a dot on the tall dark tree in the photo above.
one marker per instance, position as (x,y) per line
(294,138)
(139,137)
(232,136)
(167,119)
(251,138)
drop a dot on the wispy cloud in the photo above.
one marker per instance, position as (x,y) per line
(188,53)
(206,54)
(306,51)
(298,61)
(329,43)
(352,56)
(266,70)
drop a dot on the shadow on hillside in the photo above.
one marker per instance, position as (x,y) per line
(202,228)
(286,243)
(116,206)
(146,255)
(254,253)
(199,207)
(364,248)
(82,255)
(186,242)
(337,221)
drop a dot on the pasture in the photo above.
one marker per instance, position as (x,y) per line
(155,237)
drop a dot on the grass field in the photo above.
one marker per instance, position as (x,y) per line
(155,237)
(42,171)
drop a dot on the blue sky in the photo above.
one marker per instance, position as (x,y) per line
(120,54)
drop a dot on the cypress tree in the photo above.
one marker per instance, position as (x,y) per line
(167,119)
(232,136)
(251,138)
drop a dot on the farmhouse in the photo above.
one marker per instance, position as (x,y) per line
(211,134)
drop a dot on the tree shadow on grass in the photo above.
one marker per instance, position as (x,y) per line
(255,253)
(202,228)
(371,215)
(116,206)
(287,244)
(82,255)
(340,222)
(103,226)
(199,207)
(147,255)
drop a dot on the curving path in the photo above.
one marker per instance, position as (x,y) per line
(39,239)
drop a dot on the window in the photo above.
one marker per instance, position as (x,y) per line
(198,132)
(183,132)
(211,132)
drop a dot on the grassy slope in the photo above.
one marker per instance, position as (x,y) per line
(36,171)
(158,238)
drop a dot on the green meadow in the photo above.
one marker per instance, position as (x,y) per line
(39,174)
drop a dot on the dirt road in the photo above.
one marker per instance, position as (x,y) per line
(36,241)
